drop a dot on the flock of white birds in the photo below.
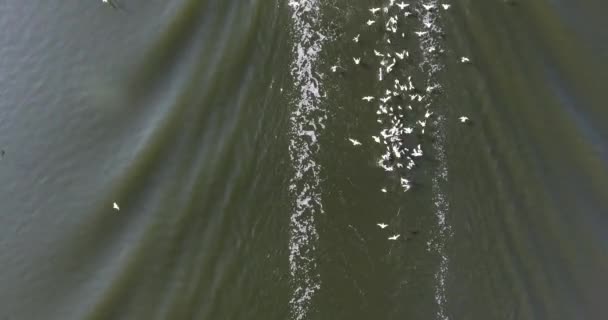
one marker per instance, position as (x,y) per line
(396,155)
(394,105)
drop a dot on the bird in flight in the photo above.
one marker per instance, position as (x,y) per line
(115,206)
(402,5)
(354,142)
(382,225)
(464,119)
(395,237)
(368,98)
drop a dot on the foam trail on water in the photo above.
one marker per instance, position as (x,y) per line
(306,121)
(430,46)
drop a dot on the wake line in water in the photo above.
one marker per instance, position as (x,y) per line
(430,46)
(306,120)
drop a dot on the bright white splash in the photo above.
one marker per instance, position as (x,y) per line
(306,119)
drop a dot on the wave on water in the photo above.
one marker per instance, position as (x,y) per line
(306,120)
(431,65)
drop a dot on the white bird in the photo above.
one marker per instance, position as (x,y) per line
(428,7)
(374,10)
(420,33)
(377,139)
(408,130)
(402,5)
(356,38)
(368,98)
(115,206)
(428,114)
(370,22)
(334,68)
(445,6)
(382,225)
(463,119)
(383,190)
(417,152)
(400,55)
(357,60)
(385,99)
(378,54)
(432,88)
(395,237)
(465,60)
(404,181)
(388,169)
(354,142)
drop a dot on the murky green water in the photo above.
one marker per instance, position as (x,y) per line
(221,132)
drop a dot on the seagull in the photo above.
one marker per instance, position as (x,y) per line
(334,68)
(428,7)
(356,38)
(378,53)
(368,98)
(357,60)
(385,99)
(417,152)
(427,114)
(465,60)
(370,22)
(400,55)
(354,142)
(420,33)
(377,139)
(445,6)
(395,237)
(402,5)
(408,130)
(374,10)
(382,225)
(463,119)
(383,190)
(115,206)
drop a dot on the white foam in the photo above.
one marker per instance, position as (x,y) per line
(305,120)
(437,244)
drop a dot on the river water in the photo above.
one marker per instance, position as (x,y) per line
(221,130)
